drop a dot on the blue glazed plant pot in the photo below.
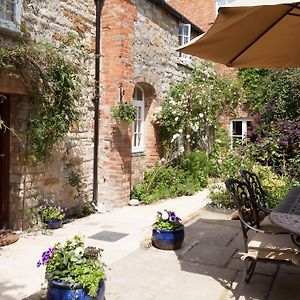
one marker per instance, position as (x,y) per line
(65,291)
(54,224)
(168,239)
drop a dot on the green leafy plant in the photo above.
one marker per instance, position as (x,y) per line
(124,111)
(167,220)
(54,86)
(181,176)
(51,211)
(75,264)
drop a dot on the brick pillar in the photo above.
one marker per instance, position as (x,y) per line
(118,18)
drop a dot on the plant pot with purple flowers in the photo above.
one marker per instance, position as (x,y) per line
(74,271)
(52,215)
(168,231)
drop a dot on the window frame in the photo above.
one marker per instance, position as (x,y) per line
(141,104)
(181,37)
(243,136)
(13,26)
(218,6)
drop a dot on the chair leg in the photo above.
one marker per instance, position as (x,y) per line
(296,239)
(250,264)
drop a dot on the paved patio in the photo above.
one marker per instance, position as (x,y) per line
(208,266)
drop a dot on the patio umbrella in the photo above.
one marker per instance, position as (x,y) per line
(257,33)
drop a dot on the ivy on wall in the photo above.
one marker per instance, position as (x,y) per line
(53,85)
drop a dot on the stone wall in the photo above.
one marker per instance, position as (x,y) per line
(156,66)
(138,41)
(71,25)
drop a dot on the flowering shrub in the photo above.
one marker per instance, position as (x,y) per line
(51,211)
(74,264)
(124,111)
(167,220)
(193,104)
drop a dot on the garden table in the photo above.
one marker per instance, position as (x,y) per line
(287,213)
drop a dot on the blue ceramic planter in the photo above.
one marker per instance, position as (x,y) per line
(54,224)
(64,291)
(168,239)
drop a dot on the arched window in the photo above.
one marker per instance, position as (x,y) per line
(138,124)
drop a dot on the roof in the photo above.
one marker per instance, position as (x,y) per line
(177,14)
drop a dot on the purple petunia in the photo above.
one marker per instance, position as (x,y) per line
(45,256)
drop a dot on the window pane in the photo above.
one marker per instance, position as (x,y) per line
(139,113)
(237,128)
(139,94)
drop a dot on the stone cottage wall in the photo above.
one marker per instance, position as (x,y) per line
(70,24)
(156,66)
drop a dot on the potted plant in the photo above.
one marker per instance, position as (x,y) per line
(74,271)
(168,231)
(124,111)
(52,215)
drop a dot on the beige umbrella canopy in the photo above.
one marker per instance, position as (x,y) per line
(252,33)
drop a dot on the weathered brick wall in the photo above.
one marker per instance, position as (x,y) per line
(117,69)
(200,12)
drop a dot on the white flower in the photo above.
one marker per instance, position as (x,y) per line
(165,215)
(79,251)
(188,136)
(180,130)
(201,115)
(176,119)
(181,149)
(175,136)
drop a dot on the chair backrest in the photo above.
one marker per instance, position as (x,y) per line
(255,188)
(240,194)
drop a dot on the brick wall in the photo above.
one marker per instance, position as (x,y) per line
(200,12)
(118,18)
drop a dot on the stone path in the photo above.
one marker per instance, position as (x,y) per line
(207,267)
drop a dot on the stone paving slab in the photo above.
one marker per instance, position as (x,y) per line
(207,267)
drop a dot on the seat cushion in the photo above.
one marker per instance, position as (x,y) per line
(268,226)
(274,247)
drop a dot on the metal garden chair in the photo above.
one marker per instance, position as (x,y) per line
(266,246)
(256,190)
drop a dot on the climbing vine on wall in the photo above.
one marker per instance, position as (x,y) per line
(53,85)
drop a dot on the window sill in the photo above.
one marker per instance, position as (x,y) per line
(187,63)
(9,28)
(138,154)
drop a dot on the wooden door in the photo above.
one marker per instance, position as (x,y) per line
(4,161)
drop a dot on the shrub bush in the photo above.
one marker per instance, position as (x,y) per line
(185,177)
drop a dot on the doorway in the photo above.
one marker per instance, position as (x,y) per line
(4,161)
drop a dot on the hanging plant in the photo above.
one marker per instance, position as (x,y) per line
(124,111)
(53,85)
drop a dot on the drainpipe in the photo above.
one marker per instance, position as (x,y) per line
(96,100)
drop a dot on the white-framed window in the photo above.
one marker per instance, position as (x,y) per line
(220,3)
(238,130)
(184,37)
(10,15)
(138,124)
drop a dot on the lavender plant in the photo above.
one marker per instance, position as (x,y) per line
(167,220)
